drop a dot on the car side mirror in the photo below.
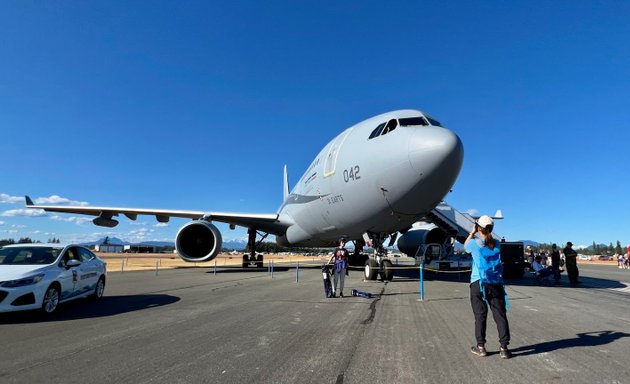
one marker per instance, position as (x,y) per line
(72,263)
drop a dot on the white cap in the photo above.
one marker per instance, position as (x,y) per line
(484,221)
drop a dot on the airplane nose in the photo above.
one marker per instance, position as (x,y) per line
(435,148)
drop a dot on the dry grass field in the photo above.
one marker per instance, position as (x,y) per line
(121,262)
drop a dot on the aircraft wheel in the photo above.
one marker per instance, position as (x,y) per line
(371,269)
(245,261)
(388,271)
(259,261)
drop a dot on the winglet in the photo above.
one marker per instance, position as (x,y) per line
(29,202)
(286,183)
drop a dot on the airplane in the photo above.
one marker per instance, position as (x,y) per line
(372,181)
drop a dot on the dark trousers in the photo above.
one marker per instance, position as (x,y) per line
(556,273)
(572,270)
(495,294)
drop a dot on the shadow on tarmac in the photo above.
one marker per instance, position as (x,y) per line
(586,339)
(585,282)
(86,309)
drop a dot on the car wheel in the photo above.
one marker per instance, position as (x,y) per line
(100,289)
(51,300)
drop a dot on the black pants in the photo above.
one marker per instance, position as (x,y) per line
(572,270)
(556,272)
(495,294)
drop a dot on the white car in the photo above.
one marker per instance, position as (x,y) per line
(41,276)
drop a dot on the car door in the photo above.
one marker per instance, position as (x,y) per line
(89,270)
(67,277)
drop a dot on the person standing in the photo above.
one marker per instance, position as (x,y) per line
(570,257)
(340,257)
(485,250)
(555,263)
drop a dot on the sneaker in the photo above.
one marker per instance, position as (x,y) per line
(505,353)
(340,294)
(479,350)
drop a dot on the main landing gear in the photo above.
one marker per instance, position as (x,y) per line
(378,264)
(253,259)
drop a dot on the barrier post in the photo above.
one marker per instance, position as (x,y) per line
(215,267)
(272,268)
(156,268)
(297,273)
(421,271)
(122,266)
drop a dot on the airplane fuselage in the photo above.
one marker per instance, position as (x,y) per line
(380,175)
(375,178)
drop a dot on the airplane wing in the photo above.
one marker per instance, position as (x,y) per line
(270,223)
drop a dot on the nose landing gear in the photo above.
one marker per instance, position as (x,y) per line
(378,264)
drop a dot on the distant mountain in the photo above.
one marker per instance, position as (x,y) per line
(111,241)
(238,245)
(157,243)
(533,243)
(600,246)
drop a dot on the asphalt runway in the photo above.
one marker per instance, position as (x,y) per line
(191,326)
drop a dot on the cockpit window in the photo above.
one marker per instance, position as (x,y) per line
(391,125)
(433,121)
(377,131)
(410,121)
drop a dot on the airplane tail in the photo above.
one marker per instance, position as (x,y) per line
(286,183)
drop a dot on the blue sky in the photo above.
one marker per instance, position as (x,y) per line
(198,105)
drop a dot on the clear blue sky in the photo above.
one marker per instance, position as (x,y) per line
(198,105)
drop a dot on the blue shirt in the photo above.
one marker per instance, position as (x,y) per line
(474,249)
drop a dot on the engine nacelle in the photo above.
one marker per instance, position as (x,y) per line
(198,241)
(414,238)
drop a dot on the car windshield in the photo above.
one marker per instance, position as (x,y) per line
(28,255)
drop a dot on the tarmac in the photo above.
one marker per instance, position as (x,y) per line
(190,325)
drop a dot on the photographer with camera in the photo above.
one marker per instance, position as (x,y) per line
(486,286)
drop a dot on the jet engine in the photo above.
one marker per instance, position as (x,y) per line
(414,238)
(198,241)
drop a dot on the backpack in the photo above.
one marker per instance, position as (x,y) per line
(490,266)
(490,271)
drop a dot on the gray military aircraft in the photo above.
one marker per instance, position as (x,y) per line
(372,181)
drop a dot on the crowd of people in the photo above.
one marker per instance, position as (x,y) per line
(554,262)
(623,261)
(547,263)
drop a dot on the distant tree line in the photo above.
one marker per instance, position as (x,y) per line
(594,249)
(26,240)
